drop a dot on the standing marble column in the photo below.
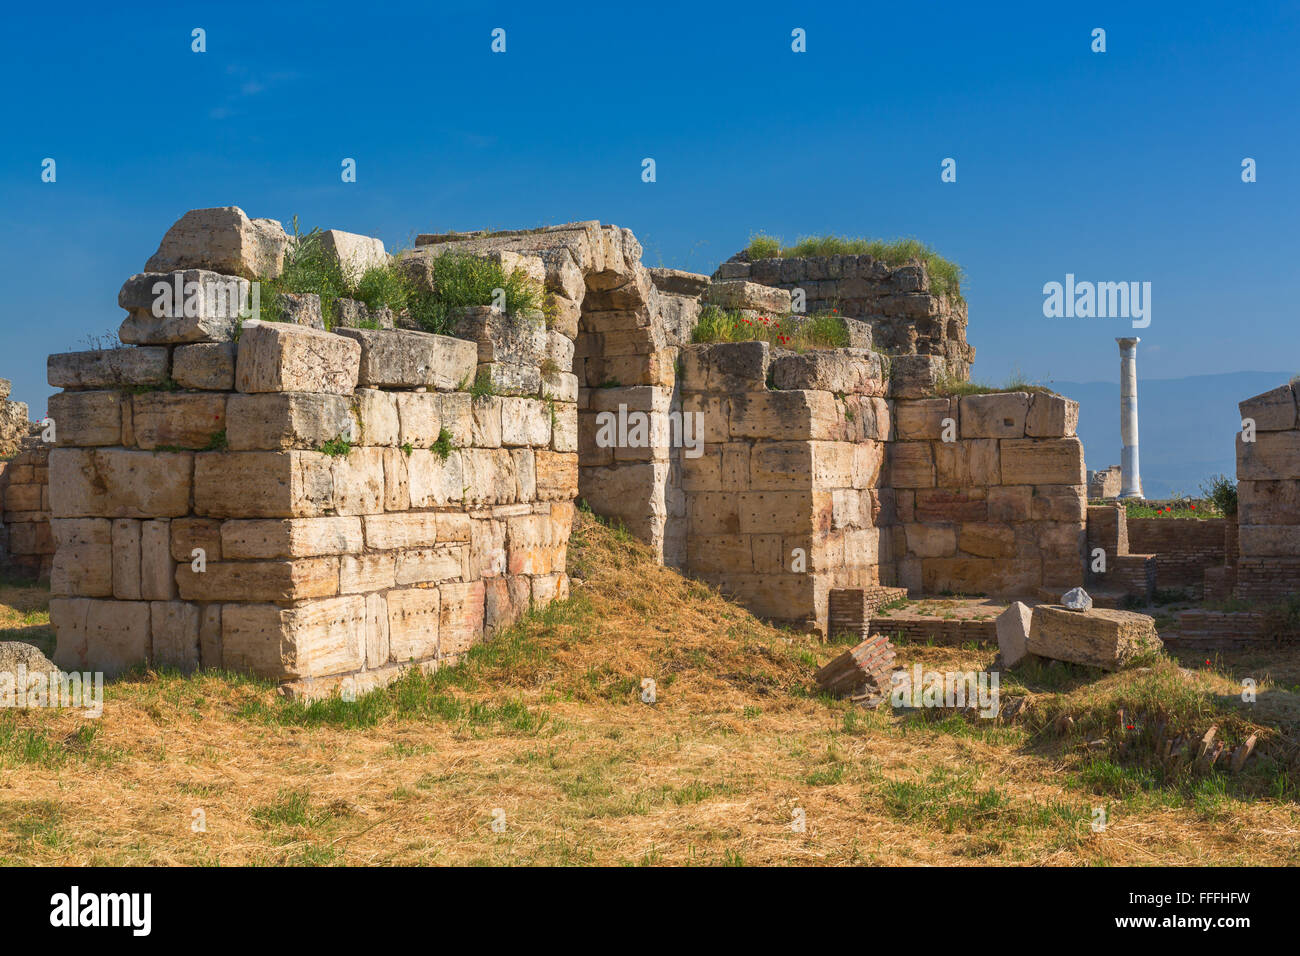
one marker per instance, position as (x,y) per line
(1130,477)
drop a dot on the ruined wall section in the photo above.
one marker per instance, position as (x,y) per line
(1268,498)
(905,316)
(355,509)
(26,542)
(786,500)
(989,489)
(628,323)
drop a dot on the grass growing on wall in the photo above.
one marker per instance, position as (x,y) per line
(822,330)
(945,275)
(459,279)
(1016,382)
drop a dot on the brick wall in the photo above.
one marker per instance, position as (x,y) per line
(1183,548)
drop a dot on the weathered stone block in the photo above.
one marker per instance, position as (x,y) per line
(277,420)
(174,420)
(399,358)
(391,532)
(1100,637)
(108,368)
(845,371)
(1013,633)
(377,421)
(117,483)
(434,481)
(224,239)
(967,462)
(1051,416)
(911,465)
(1274,410)
(739,294)
(358,479)
(290,538)
(263,484)
(460,617)
(915,376)
(926,418)
(84,419)
(785,416)
(83,561)
(273,581)
(313,639)
(126,559)
(525,421)
(556,475)
(108,636)
(514,339)
(277,357)
(431,565)
(185,306)
(190,533)
(354,254)
(1273,455)
(995,415)
(205,365)
(420,419)
(174,628)
(413,617)
(1043,461)
(157,569)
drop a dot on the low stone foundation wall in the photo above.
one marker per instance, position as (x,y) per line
(26,542)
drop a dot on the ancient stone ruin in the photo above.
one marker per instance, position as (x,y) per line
(328,506)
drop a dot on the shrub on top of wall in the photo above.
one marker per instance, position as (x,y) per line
(459,279)
(945,275)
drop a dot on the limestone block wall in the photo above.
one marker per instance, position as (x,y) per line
(627,323)
(787,499)
(995,507)
(1268,498)
(905,316)
(26,542)
(308,506)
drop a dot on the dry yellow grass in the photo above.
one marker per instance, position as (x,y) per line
(544,728)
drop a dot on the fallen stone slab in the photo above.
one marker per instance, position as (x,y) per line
(397,358)
(1013,633)
(863,674)
(193,305)
(1099,637)
(355,254)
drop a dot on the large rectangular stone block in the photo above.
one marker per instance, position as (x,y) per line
(995,415)
(1273,455)
(460,617)
(926,418)
(205,365)
(1274,410)
(126,559)
(83,419)
(83,559)
(280,357)
(420,418)
(525,421)
(911,464)
(435,481)
(967,462)
(108,636)
(263,484)
(118,483)
(1099,637)
(1043,461)
(290,538)
(174,631)
(272,581)
(314,639)
(358,480)
(157,568)
(785,416)
(108,368)
(1051,416)
(276,420)
(432,565)
(390,532)
(178,419)
(556,475)
(413,624)
(193,305)
(397,358)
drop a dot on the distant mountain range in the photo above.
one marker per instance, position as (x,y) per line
(1186,426)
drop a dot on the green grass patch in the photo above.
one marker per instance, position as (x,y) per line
(822,330)
(945,276)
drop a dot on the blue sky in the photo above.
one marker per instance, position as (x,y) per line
(1115,167)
